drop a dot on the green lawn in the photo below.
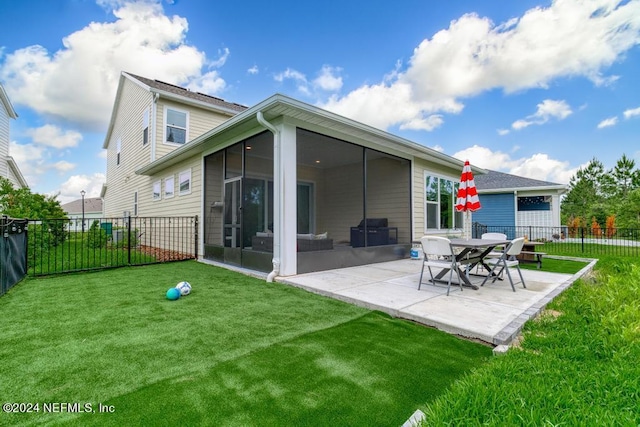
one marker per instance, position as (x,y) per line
(237,351)
(553,265)
(577,365)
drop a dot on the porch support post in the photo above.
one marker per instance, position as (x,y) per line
(285,200)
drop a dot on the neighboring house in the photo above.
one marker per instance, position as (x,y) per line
(8,167)
(516,203)
(281,187)
(92,211)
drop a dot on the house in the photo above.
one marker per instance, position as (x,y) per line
(91,211)
(8,167)
(517,204)
(282,187)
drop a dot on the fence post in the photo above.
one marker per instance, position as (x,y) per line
(129,239)
(196,237)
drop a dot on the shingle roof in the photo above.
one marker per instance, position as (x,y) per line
(494,180)
(91,205)
(181,91)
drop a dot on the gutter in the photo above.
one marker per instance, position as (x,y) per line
(277,181)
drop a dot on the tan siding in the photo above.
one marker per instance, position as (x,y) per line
(387,194)
(213,216)
(419,168)
(340,204)
(200,121)
(121,179)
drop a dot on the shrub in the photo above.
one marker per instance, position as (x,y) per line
(97,236)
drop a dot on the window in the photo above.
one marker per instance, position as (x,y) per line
(118,148)
(534,203)
(175,126)
(184,182)
(168,187)
(135,203)
(440,201)
(156,190)
(145,127)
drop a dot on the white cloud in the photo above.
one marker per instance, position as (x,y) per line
(611,121)
(70,189)
(329,79)
(63,166)
(632,112)
(423,123)
(547,110)
(253,70)
(53,136)
(299,78)
(503,132)
(102,154)
(538,166)
(31,160)
(570,38)
(78,82)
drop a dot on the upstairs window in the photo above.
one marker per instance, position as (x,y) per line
(145,127)
(175,126)
(135,203)
(118,148)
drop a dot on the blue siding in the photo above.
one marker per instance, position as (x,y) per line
(496,210)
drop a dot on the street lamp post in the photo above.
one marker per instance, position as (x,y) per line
(83,193)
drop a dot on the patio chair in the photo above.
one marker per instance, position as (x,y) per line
(438,252)
(494,236)
(507,260)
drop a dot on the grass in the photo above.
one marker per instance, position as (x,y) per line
(74,254)
(237,351)
(553,265)
(576,364)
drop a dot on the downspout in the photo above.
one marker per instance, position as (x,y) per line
(276,185)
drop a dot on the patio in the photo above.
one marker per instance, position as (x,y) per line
(493,314)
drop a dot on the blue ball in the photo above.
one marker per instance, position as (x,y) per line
(173,294)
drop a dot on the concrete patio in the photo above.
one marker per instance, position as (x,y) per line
(493,313)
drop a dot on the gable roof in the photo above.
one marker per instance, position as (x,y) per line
(500,182)
(283,106)
(4,99)
(172,92)
(91,205)
(167,89)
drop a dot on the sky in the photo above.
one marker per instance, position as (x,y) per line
(533,88)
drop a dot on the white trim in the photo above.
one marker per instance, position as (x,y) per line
(157,183)
(180,191)
(164,126)
(173,187)
(136,203)
(145,125)
(440,176)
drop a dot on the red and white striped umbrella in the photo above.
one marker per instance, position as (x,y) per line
(468,200)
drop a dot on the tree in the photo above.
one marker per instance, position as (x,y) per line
(22,203)
(629,212)
(585,192)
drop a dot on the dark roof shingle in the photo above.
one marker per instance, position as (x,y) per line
(196,96)
(494,180)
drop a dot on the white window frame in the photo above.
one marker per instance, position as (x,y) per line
(156,190)
(118,150)
(454,180)
(169,182)
(182,192)
(145,127)
(135,203)
(164,128)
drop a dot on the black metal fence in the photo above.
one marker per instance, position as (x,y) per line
(13,249)
(63,245)
(579,241)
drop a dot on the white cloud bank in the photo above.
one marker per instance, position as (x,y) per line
(547,110)
(570,38)
(539,166)
(611,121)
(77,83)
